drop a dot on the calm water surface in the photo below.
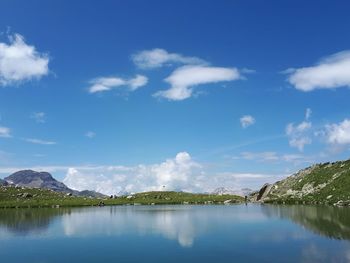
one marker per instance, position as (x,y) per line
(237,233)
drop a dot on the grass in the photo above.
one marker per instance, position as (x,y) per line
(335,178)
(12,197)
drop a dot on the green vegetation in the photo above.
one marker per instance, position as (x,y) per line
(327,183)
(14,197)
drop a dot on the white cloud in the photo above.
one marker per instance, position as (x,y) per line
(331,72)
(90,134)
(38,141)
(247,120)
(21,62)
(137,82)
(300,143)
(297,134)
(39,117)
(5,132)
(338,134)
(108,83)
(173,174)
(185,78)
(155,58)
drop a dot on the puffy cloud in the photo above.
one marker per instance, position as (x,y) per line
(185,78)
(173,174)
(39,117)
(338,134)
(90,134)
(39,141)
(5,132)
(247,120)
(331,72)
(155,58)
(108,83)
(21,62)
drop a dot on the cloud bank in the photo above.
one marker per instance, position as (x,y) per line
(180,173)
(21,62)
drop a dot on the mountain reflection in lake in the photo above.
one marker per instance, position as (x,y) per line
(238,233)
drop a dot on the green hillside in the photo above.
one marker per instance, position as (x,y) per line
(327,183)
(12,197)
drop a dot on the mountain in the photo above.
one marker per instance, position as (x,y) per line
(3,182)
(89,193)
(327,183)
(225,191)
(33,179)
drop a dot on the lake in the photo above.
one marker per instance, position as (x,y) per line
(232,233)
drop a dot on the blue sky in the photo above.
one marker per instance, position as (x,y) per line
(131,96)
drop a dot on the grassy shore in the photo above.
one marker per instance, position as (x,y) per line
(12,197)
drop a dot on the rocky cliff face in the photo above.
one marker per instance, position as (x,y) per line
(327,183)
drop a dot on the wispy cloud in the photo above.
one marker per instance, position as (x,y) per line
(298,134)
(108,83)
(39,141)
(90,134)
(155,58)
(246,121)
(5,132)
(331,72)
(39,117)
(184,79)
(21,62)
(270,156)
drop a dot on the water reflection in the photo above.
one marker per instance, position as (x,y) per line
(176,233)
(332,222)
(181,223)
(29,221)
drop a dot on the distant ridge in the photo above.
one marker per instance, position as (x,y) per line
(225,191)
